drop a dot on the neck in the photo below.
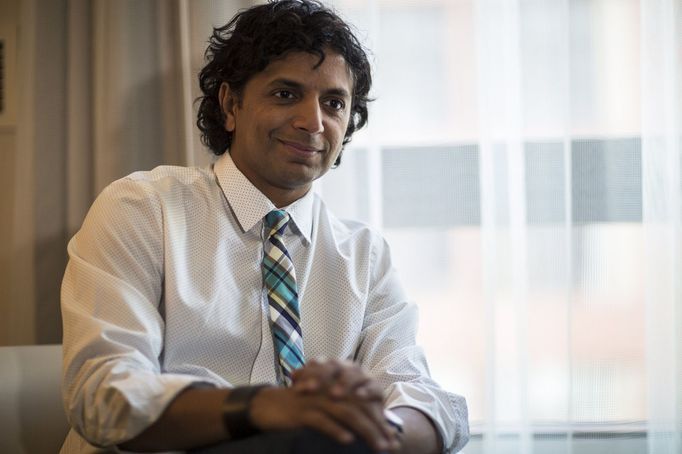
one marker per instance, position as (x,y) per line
(282,199)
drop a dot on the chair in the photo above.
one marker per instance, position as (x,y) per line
(32,418)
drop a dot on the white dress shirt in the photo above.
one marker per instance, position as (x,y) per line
(164,289)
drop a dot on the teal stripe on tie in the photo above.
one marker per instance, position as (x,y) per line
(279,280)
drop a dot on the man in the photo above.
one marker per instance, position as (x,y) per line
(198,304)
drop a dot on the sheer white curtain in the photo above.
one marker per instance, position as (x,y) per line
(523,159)
(661,74)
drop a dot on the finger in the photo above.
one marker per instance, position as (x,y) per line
(341,378)
(364,424)
(350,378)
(324,372)
(306,385)
(320,421)
(349,374)
(375,412)
(307,379)
(371,390)
(395,442)
(305,371)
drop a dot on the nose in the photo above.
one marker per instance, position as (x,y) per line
(308,117)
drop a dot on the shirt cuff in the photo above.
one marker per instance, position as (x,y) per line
(126,406)
(447,411)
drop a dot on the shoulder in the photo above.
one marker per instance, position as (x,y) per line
(347,234)
(343,228)
(142,197)
(163,180)
(158,187)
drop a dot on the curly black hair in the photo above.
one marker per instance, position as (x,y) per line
(257,36)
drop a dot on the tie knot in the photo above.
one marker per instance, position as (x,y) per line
(276,221)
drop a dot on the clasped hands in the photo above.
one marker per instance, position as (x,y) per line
(334,397)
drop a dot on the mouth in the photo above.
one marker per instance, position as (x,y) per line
(299,148)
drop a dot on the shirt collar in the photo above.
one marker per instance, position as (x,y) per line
(250,206)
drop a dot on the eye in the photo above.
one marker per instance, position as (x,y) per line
(284,94)
(336,104)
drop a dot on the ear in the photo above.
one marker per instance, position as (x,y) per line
(228,104)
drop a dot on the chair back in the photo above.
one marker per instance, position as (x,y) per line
(32,418)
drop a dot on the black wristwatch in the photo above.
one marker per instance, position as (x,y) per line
(236,411)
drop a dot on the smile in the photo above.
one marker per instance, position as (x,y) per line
(301,149)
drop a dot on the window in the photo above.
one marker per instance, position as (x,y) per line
(510,163)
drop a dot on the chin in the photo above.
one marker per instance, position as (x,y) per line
(303,174)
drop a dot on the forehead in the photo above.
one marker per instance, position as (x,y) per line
(304,68)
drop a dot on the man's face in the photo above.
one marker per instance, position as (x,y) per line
(289,123)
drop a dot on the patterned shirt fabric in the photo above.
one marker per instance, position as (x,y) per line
(164,289)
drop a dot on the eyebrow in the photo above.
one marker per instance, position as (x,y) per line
(299,86)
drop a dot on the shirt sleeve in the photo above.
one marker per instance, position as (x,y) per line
(114,385)
(389,351)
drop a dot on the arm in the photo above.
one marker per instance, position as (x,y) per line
(194,418)
(113,386)
(420,433)
(389,353)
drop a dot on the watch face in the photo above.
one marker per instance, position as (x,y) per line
(394,420)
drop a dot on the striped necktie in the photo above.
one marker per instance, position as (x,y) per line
(280,282)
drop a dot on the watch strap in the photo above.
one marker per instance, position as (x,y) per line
(236,411)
